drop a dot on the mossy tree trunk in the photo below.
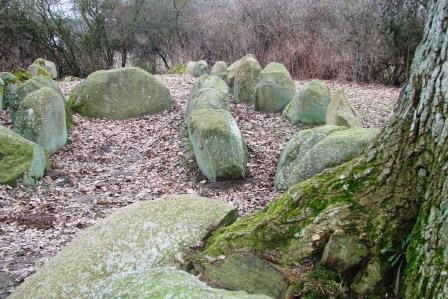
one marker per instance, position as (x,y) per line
(339,233)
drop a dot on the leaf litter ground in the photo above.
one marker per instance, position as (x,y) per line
(111,164)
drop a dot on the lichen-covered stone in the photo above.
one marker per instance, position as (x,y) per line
(163,283)
(366,281)
(20,159)
(309,152)
(218,146)
(231,70)
(341,113)
(40,117)
(309,105)
(219,69)
(49,66)
(275,88)
(28,87)
(200,68)
(207,98)
(246,77)
(294,151)
(37,70)
(190,66)
(120,94)
(343,252)
(137,238)
(248,273)
(209,81)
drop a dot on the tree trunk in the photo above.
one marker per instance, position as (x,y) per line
(124,55)
(344,232)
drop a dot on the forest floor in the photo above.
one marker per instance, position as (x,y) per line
(110,164)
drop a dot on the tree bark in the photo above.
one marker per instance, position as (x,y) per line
(343,233)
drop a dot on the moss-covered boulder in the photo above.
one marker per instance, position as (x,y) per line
(309,105)
(20,159)
(209,81)
(275,88)
(34,84)
(120,94)
(219,69)
(341,113)
(21,74)
(49,66)
(200,68)
(40,117)
(37,70)
(309,152)
(246,77)
(15,90)
(231,70)
(137,238)
(207,98)
(218,146)
(163,283)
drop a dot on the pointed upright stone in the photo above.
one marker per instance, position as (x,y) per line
(341,113)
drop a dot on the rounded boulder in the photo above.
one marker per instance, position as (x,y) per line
(119,94)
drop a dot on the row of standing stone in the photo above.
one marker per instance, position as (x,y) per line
(39,122)
(272,89)
(216,140)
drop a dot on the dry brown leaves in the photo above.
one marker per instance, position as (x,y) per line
(110,164)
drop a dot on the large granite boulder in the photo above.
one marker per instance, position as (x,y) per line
(218,145)
(120,94)
(207,98)
(219,69)
(231,70)
(137,238)
(40,117)
(20,159)
(246,77)
(164,283)
(209,81)
(311,151)
(199,68)
(275,88)
(341,113)
(309,105)
(49,66)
